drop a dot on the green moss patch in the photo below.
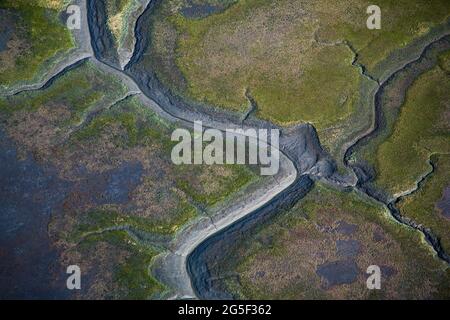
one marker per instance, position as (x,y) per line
(281,259)
(39,37)
(421,130)
(423,206)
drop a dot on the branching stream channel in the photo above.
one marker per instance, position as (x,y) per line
(302,160)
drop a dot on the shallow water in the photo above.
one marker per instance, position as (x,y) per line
(200,10)
(444,203)
(6,29)
(338,272)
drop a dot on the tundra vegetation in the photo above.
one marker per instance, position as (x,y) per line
(417,151)
(321,248)
(37,37)
(120,14)
(421,130)
(300,60)
(127,200)
(409,156)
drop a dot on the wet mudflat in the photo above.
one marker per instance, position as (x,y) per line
(29,193)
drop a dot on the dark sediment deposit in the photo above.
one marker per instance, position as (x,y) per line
(204,262)
(338,272)
(444,203)
(102,40)
(8,28)
(346,228)
(348,248)
(29,193)
(398,82)
(198,11)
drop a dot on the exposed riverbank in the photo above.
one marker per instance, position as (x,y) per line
(185,267)
(399,81)
(180,109)
(301,153)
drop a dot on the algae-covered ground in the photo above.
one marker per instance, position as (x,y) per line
(119,15)
(321,249)
(124,199)
(116,11)
(33,36)
(421,129)
(299,60)
(429,205)
(86,176)
(409,156)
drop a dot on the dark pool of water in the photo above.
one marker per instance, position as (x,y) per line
(30,194)
(338,272)
(6,29)
(444,203)
(201,10)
